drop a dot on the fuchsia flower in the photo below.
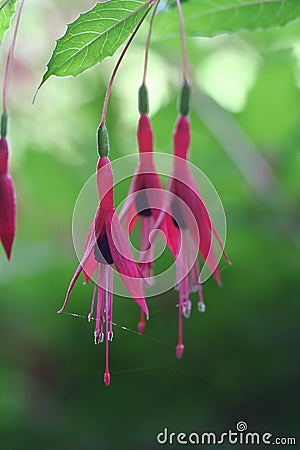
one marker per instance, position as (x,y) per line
(184,190)
(7,201)
(146,198)
(107,245)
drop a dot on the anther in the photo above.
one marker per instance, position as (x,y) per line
(201,307)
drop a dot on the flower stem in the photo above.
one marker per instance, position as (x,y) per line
(148,42)
(104,110)
(183,43)
(10,57)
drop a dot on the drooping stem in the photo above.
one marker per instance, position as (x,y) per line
(10,57)
(183,43)
(148,42)
(149,3)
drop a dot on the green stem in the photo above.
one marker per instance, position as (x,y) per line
(10,58)
(148,42)
(183,43)
(107,95)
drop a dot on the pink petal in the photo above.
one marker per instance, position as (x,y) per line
(7,213)
(89,250)
(131,218)
(198,209)
(105,183)
(144,134)
(124,261)
(182,137)
(134,186)
(3,156)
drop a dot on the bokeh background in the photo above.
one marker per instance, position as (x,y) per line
(242,356)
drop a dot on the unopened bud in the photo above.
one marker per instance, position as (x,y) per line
(4,123)
(184,99)
(103,141)
(143,100)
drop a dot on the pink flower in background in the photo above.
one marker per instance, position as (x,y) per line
(184,191)
(107,245)
(145,200)
(7,201)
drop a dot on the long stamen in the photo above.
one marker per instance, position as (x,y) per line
(110,335)
(10,56)
(107,374)
(90,315)
(201,304)
(102,269)
(194,265)
(104,110)
(185,281)
(151,263)
(180,346)
(183,43)
(144,266)
(100,300)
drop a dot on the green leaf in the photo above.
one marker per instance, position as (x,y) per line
(94,36)
(212,17)
(6,14)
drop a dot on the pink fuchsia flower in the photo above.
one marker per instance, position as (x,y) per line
(7,201)
(146,196)
(106,246)
(184,190)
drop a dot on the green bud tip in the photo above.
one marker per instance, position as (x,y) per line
(4,124)
(103,141)
(143,100)
(184,99)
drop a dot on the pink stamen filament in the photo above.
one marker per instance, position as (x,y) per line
(107,326)
(143,266)
(151,263)
(194,265)
(185,281)
(179,276)
(195,280)
(90,316)
(100,307)
(107,95)
(10,57)
(111,301)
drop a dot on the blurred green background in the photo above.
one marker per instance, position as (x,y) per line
(241,359)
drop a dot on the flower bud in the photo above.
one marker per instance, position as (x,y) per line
(4,124)
(103,141)
(184,99)
(143,100)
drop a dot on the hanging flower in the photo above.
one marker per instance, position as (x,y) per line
(146,196)
(7,196)
(106,246)
(190,238)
